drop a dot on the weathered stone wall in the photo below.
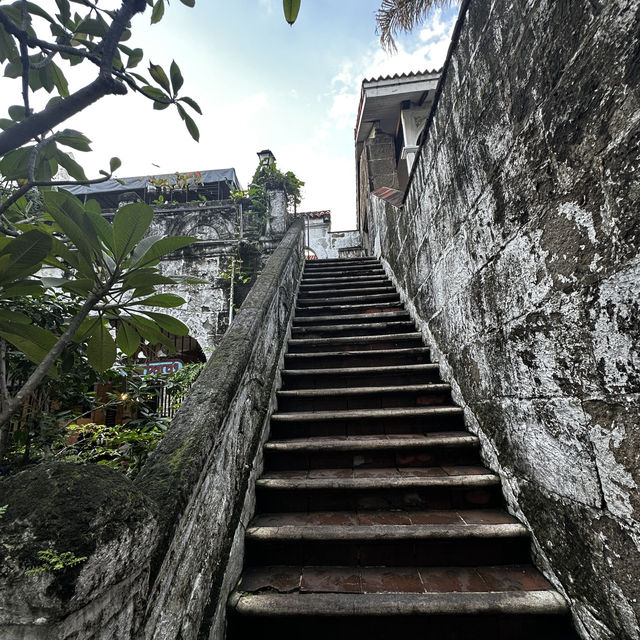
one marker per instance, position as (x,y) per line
(162,552)
(518,253)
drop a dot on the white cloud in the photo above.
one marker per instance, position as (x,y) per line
(268,5)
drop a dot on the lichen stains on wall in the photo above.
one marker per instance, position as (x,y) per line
(518,253)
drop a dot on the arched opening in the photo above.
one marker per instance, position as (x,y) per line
(310,254)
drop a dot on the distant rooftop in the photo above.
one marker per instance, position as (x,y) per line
(397,76)
(140,182)
(213,184)
(313,214)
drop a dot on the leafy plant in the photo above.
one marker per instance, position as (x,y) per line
(109,268)
(52,560)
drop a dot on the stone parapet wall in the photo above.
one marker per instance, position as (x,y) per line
(517,251)
(160,554)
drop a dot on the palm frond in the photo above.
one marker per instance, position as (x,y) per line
(395,16)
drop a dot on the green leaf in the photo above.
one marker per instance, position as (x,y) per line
(59,80)
(158,12)
(160,248)
(176,78)
(101,348)
(72,167)
(114,164)
(192,103)
(27,253)
(13,317)
(134,58)
(167,300)
(8,49)
(22,288)
(130,223)
(168,323)
(74,139)
(189,3)
(101,224)
(142,277)
(68,213)
(15,164)
(160,106)
(291,8)
(17,112)
(149,330)
(154,93)
(35,342)
(191,125)
(127,338)
(158,74)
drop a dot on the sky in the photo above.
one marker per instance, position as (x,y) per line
(260,84)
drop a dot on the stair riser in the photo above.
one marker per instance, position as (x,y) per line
(335,299)
(339,310)
(352,359)
(328,380)
(333,285)
(358,319)
(378,401)
(320,347)
(371,426)
(460,626)
(386,458)
(376,330)
(307,500)
(399,553)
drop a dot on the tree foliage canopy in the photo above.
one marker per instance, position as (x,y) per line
(110,267)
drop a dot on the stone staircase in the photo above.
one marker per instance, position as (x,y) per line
(375,515)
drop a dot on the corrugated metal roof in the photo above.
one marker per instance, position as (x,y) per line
(398,76)
(139,182)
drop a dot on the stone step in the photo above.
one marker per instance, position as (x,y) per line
(370,299)
(343,271)
(366,414)
(352,318)
(386,490)
(315,264)
(436,449)
(361,376)
(362,329)
(306,297)
(386,545)
(348,309)
(372,357)
(356,343)
(336,280)
(364,282)
(345,398)
(380,603)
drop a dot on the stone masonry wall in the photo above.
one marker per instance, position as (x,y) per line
(517,252)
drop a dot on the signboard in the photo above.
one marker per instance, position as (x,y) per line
(159,368)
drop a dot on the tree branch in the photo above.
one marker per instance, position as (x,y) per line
(103,85)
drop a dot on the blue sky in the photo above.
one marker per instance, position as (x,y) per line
(261,84)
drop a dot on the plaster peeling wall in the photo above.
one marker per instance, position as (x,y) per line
(517,252)
(206,311)
(326,244)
